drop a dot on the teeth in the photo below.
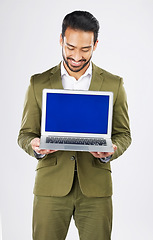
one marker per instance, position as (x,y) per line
(76,63)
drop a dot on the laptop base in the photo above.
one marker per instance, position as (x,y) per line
(75,147)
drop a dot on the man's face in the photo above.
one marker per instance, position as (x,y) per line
(77,49)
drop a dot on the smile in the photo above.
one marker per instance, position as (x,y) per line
(76,64)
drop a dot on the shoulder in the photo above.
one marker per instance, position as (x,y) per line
(106,74)
(40,81)
(110,82)
(42,77)
(111,76)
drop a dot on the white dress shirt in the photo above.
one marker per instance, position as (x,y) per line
(70,83)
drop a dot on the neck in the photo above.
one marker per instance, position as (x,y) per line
(76,75)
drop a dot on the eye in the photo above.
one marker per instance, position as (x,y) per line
(70,48)
(85,50)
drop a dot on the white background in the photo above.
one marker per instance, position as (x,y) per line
(29,44)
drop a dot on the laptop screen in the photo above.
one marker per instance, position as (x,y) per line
(77,113)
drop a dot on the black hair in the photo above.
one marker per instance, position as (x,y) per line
(81,20)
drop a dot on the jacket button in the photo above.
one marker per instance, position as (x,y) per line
(73,158)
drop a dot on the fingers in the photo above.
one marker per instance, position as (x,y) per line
(104,154)
(35,143)
(101,154)
(45,151)
(115,147)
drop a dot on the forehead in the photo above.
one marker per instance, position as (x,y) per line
(78,37)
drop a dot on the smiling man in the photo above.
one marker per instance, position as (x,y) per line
(70,183)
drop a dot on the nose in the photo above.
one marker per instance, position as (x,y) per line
(77,55)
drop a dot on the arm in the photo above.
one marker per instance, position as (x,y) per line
(30,125)
(29,135)
(121,136)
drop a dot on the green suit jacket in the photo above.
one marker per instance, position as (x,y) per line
(54,173)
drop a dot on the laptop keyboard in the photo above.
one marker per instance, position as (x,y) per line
(81,141)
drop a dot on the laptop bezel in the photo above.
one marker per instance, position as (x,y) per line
(81,135)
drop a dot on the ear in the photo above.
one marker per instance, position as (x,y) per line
(61,40)
(95,46)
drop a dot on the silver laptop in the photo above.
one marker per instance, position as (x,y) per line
(76,120)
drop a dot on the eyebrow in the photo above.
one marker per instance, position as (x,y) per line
(70,45)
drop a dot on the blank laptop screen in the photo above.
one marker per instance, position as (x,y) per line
(77,113)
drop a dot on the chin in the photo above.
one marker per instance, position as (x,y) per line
(75,69)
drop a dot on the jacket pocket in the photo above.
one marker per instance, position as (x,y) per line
(96,163)
(46,163)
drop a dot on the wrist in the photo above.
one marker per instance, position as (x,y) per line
(38,155)
(105,159)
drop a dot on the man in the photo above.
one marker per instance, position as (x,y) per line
(69,183)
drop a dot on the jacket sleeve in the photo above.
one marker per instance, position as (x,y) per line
(121,135)
(31,120)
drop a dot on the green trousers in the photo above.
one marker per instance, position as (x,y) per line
(52,216)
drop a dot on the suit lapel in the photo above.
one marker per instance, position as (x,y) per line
(97,78)
(96,81)
(55,77)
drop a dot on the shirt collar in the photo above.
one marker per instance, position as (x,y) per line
(64,72)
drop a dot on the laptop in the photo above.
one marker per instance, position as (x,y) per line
(76,120)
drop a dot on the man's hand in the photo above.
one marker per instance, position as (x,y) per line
(35,143)
(103,154)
